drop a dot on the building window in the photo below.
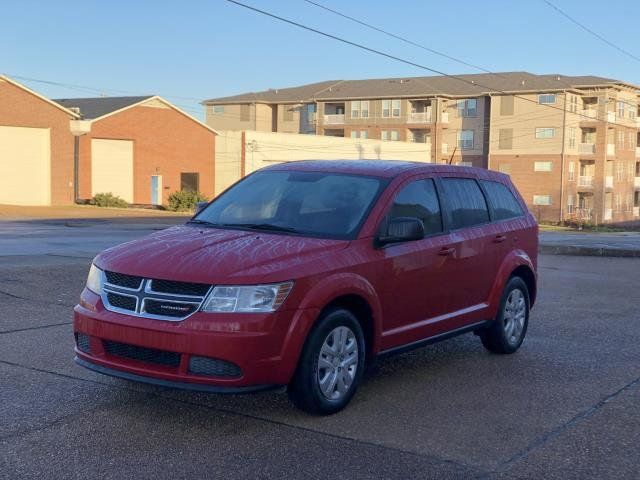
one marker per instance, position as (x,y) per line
(390,135)
(465,139)
(621,139)
(468,108)
(572,137)
(189,181)
(542,199)
(244,113)
(364,134)
(617,201)
(390,108)
(573,106)
(359,134)
(547,98)
(570,208)
(354,134)
(360,109)
(572,171)
(545,132)
(218,109)
(620,109)
(505,138)
(631,138)
(619,170)
(542,166)
(355,109)
(505,168)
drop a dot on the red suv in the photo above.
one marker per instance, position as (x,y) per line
(302,273)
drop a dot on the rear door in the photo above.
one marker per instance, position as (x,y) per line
(473,260)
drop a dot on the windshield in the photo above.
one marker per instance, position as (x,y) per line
(330,205)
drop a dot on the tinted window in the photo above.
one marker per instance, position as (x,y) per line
(419,200)
(465,201)
(503,201)
(314,203)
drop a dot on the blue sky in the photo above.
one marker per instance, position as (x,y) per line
(192,50)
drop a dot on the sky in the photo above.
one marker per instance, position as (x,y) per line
(188,51)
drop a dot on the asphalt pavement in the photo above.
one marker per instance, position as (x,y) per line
(566,406)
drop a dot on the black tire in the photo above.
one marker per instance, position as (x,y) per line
(304,390)
(495,337)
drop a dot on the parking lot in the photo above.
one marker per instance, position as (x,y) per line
(567,405)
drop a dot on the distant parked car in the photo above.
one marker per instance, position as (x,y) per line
(302,273)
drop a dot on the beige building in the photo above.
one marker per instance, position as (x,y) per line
(569,143)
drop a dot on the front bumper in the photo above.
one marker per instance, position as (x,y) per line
(264,347)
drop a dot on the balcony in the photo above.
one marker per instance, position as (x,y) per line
(637,152)
(636,182)
(611,117)
(636,211)
(587,148)
(608,213)
(445,117)
(637,122)
(608,181)
(585,181)
(611,149)
(335,119)
(419,117)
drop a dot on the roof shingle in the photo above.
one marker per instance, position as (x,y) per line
(91,108)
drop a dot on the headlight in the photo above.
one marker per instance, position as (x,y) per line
(94,280)
(254,298)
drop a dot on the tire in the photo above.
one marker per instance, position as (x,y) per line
(331,364)
(506,332)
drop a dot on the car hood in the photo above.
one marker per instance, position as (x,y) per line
(211,255)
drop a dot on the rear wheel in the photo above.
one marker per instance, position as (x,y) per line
(331,364)
(507,331)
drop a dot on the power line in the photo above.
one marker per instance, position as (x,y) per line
(587,29)
(392,57)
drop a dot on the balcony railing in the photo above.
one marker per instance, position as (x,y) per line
(445,117)
(636,182)
(608,213)
(419,117)
(611,149)
(335,119)
(636,211)
(587,148)
(637,122)
(611,117)
(608,181)
(589,112)
(637,152)
(585,181)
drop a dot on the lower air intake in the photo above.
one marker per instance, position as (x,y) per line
(213,367)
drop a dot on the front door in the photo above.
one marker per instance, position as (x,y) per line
(156,189)
(416,275)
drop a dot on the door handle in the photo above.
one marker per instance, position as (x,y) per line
(499,238)
(446,251)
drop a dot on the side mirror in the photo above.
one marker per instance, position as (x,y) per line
(402,229)
(201,206)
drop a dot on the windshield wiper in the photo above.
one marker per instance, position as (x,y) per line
(201,222)
(261,226)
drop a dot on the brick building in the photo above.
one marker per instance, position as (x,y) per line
(569,143)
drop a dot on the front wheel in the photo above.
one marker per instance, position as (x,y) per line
(507,331)
(331,364)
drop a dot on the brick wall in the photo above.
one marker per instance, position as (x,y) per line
(165,143)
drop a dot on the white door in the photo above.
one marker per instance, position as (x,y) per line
(112,168)
(25,166)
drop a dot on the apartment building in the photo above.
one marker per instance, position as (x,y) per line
(569,143)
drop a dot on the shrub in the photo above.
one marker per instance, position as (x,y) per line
(109,200)
(185,200)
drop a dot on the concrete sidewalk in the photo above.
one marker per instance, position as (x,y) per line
(618,244)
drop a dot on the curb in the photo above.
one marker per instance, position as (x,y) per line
(588,251)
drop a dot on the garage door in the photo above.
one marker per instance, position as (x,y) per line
(25,166)
(112,167)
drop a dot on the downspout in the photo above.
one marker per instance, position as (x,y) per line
(564,128)
(435,130)
(76,166)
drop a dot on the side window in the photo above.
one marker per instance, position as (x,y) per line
(419,199)
(503,201)
(466,202)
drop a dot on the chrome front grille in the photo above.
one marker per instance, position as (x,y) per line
(152,298)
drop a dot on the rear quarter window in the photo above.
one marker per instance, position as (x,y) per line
(504,203)
(466,202)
